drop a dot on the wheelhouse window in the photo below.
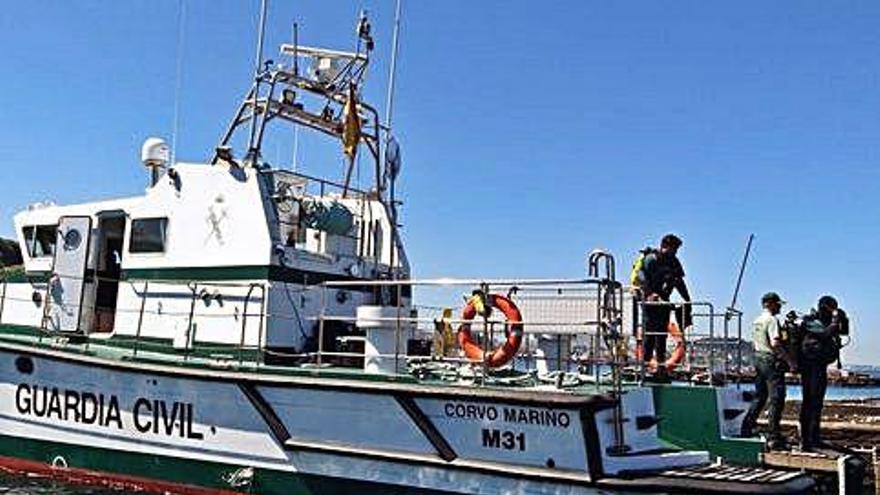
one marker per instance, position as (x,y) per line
(40,240)
(148,235)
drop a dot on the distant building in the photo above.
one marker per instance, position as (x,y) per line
(720,350)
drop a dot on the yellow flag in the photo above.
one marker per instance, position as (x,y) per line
(351,130)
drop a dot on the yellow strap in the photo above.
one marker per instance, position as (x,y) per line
(478,303)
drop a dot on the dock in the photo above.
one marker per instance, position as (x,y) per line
(848,466)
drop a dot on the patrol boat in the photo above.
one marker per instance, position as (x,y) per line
(246,329)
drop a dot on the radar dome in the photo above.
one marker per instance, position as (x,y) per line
(155,153)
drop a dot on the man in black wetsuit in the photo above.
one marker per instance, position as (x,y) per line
(660,274)
(819,346)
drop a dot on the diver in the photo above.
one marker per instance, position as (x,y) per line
(771,363)
(819,343)
(658,274)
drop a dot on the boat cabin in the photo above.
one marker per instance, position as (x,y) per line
(221,255)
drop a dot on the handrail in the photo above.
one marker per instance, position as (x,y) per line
(137,338)
(711,315)
(317,180)
(499,283)
(244,318)
(190,338)
(592,327)
(3,300)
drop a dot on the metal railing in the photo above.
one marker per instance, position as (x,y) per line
(584,317)
(255,292)
(701,332)
(595,321)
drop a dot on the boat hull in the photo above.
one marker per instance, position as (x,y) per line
(191,427)
(218,431)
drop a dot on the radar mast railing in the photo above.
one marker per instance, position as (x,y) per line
(331,84)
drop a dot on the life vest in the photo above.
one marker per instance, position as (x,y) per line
(513,329)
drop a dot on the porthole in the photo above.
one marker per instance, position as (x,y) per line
(24,365)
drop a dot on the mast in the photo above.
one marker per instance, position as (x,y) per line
(389,107)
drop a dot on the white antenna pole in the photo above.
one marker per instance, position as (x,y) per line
(389,102)
(260,36)
(389,106)
(259,64)
(295,73)
(175,125)
(295,146)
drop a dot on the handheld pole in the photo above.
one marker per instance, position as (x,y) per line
(742,271)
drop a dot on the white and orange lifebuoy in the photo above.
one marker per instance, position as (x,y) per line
(513,330)
(677,355)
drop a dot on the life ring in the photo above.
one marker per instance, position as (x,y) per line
(513,330)
(677,355)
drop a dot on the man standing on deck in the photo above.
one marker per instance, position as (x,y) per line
(771,363)
(819,345)
(660,273)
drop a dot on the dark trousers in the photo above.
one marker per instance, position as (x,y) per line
(656,321)
(814,380)
(769,384)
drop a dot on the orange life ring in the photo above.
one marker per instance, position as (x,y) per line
(678,353)
(513,331)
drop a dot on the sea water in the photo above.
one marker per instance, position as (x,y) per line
(27,485)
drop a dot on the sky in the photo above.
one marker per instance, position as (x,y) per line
(532,132)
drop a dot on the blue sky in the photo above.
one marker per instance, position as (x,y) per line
(532,132)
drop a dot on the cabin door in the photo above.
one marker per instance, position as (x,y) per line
(107,259)
(68,283)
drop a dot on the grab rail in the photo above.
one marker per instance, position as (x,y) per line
(244,318)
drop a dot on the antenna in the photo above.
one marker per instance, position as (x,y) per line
(295,54)
(296,74)
(181,22)
(389,102)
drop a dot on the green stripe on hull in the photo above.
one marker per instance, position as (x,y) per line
(201,474)
(226,273)
(215,273)
(272,273)
(19,276)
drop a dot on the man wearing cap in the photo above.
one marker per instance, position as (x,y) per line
(771,363)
